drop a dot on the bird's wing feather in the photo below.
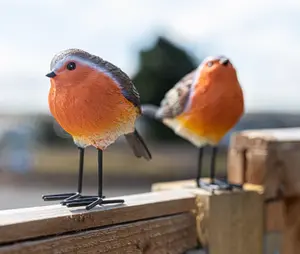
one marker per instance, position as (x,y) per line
(128,89)
(176,99)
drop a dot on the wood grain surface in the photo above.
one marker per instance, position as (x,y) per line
(267,157)
(170,234)
(231,222)
(28,223)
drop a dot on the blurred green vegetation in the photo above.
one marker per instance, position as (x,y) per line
(160,68)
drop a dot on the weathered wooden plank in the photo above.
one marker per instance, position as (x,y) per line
(170,234)
(236,223)
(273,211)
(291,231)
(271,158)
(264,138)
(229,222)
(191,185)
(274,221)
(273,243)
(20,224)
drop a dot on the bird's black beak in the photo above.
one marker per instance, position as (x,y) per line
(224,61)
(51,74)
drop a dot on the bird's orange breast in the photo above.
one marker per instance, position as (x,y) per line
(91,107)
(213,112)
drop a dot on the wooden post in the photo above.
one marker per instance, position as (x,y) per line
(271,158)
(228,222)
(147,223)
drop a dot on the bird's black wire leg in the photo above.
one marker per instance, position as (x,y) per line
(73,195)
(93,201)
(199,169)
(216,184)
(224,185)
(208,186)
(213,164)
(100,173)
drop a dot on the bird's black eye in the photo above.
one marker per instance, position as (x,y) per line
(71,66)
(224,61)
(209,64)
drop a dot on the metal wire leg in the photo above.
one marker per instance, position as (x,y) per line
(92,201)
(73,195)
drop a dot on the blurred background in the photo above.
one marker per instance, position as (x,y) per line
(155,43)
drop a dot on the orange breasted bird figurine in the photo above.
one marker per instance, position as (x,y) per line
(202,107)
(95,102)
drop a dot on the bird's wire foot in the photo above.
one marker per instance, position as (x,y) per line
(219,185)
(91,201)
(77,196)
(62,196)
(230,185)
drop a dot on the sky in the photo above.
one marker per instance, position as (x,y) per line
(262,39)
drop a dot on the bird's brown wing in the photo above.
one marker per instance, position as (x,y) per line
(128,89)
(176,99)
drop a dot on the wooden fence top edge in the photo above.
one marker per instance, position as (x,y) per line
(12,216)
(29,223)
(276,134)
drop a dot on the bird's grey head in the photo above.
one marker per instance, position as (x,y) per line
(220,59)
(69,58)
(217,65)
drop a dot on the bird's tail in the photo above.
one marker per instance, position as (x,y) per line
(138,145)
(149,110)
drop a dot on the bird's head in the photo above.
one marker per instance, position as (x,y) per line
(71,67)
(217,69)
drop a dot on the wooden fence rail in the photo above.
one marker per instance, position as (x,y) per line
(158,222)
(152,221)
(271,158)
